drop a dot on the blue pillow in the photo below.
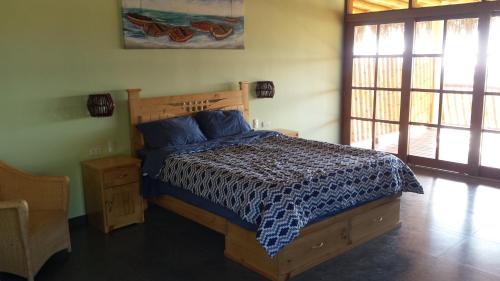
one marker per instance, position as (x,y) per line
(221,123)
(173,131)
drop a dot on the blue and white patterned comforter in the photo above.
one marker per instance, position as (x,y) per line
(280,183)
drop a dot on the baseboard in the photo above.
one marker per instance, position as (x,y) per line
(77,222)
(457,176)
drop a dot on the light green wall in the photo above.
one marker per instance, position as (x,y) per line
(53,53)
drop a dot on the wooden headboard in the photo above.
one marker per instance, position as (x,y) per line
(144,110)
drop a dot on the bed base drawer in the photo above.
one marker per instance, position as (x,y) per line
(317,243)
(373,223)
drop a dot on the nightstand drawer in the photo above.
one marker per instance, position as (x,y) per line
(120,176)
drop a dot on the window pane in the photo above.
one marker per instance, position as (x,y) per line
(492,113)
(493,74)
(391,39)
(460,54)
(390,71)
(490,154)
(363,72)
(362,103)
(456,110)
(494,41)
(386,137)
(366,6)
(426,73)
(365,40)
(428,37)
(423,141)
(454,145)
(388,105)
(424,107)
(426,3)
(361,134)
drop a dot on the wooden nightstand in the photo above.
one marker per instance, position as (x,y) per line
(286,132)
(112,192)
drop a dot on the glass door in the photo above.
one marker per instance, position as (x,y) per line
(443,67)
(490,146)
(377,65)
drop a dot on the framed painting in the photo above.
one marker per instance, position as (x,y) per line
(179,24)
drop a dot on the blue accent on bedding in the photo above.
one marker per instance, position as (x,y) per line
(277,183)
(173,131)
(153,160)
(154,188)
(222,123)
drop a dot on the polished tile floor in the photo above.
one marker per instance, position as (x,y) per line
(450,233)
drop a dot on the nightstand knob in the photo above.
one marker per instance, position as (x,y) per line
(109,206)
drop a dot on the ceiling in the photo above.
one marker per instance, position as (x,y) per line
(364,6)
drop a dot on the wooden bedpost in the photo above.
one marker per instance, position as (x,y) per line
(245,92)
(135,136)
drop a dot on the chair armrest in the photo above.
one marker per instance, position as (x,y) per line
(41,192)
(14,223)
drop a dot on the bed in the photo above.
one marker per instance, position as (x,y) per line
(282,227)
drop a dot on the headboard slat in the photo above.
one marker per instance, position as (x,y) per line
(144,110)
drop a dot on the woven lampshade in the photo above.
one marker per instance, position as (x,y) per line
(265,89)
(100,105)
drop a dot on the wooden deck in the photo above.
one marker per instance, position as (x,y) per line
(454,145)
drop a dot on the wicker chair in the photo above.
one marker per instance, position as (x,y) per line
(33,220)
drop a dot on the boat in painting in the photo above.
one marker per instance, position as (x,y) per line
(231,20)
(155,29)
(138,19)
(180,34)
(221,31)
(204,26)
(217,30)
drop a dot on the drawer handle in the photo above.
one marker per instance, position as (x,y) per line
(123,176)
(379,219)
(343,235)
(320,245)
(109,206)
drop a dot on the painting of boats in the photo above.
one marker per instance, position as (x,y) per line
(190,24)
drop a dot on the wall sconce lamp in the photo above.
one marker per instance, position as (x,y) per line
(100,105)
(265,89)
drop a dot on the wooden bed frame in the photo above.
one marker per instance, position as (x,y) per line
(317,242)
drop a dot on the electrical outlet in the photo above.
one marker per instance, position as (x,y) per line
(110,146)
(255,124)
(97,150)
(266,124)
